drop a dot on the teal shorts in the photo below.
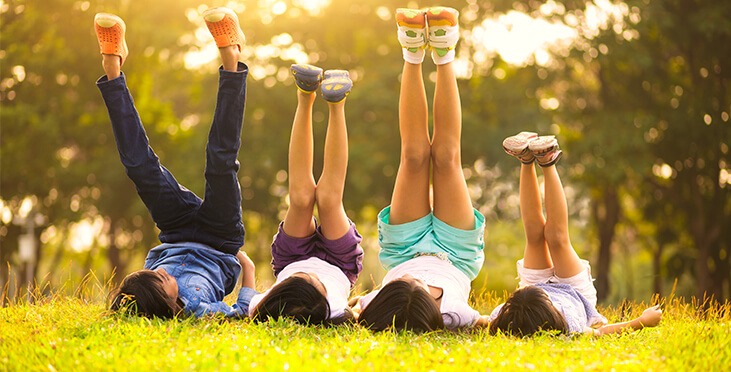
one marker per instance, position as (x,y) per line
(429,235)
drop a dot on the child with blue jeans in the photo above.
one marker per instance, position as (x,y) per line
(316,262)
(198,262)
(432,249)
(556,290)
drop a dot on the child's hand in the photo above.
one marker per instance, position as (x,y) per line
(651,316)
(248,270)
(354,300)
(245,261)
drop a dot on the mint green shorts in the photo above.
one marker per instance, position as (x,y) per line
(429,235)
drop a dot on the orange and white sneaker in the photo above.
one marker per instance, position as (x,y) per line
(443,26)
(110,31)
(412,33)
(224,26)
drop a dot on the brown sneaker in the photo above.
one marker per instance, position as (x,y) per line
(110,31)
(517,146)
(546,151)
(224,26)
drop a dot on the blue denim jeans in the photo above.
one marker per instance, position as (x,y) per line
(179,213)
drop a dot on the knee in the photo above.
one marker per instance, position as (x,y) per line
(302,197)
(556,238)
(534,236)
(415,156)
(446,157)
(328,198)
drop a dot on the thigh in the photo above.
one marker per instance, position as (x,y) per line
(345,252)
(452,203)
(411,200)
(170,204)
(528,277)
(399,243)
(287,249)
(464,248)
(582,282)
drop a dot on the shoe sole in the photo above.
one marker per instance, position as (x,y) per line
(311,77)
(224,33)
(412,18)
(441,17)
(518,144)
(217,14)
(110,40)
(336,86)
(107,20)
(543,145)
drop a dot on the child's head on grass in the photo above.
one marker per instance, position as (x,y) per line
(301,297)
(527,311)
(147,293)
(403,304)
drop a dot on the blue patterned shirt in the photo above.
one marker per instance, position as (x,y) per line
(204,276)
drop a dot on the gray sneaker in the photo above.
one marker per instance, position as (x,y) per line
(307,77)
(336,86)
(517,146)
(546,151)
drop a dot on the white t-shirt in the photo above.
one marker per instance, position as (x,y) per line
(436,272)
(335,282)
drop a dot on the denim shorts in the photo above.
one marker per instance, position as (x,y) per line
(431,236)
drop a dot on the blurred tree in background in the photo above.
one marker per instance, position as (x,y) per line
(637,92)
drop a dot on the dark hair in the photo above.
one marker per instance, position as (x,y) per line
(527,311)
(402,305)
(141,293)
(294,298)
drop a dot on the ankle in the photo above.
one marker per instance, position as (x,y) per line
(305,97)
(230,57)
(336,106)
(112,65)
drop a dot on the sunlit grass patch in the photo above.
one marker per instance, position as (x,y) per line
(64,332)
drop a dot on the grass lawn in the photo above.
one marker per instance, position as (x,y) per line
(68,334)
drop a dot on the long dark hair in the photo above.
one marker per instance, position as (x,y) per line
(402,305)
(527,311)
(294,298)
(141,293)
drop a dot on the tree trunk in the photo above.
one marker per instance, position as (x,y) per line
(656,265)
(114,254)
(606,212)
(706,215)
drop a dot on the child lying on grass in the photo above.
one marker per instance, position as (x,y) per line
(556,288)
(199,260)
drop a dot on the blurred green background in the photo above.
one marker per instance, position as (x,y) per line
(638,93)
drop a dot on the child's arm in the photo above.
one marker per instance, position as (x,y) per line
(649,318)
(354,304)
(483,321)
(248,269)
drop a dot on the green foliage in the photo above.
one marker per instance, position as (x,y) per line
(630,103)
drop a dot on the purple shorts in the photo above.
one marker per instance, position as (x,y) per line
(344,252)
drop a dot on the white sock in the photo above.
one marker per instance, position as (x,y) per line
(442,60)
(414,57)
(441,39)
(413,41)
